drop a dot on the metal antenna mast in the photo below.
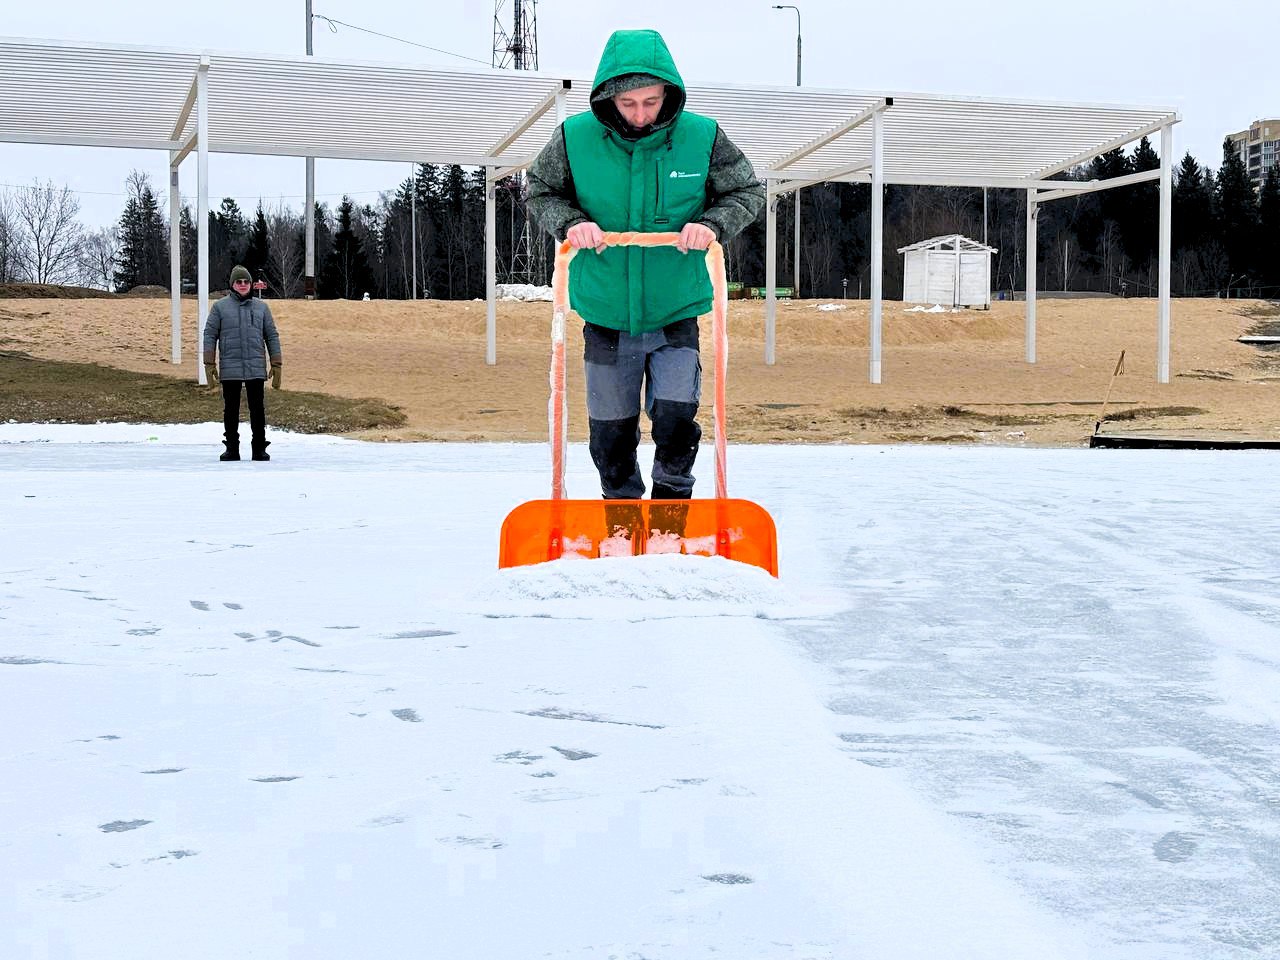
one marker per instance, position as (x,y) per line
(517,49)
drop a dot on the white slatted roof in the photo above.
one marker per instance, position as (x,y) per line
(100,95)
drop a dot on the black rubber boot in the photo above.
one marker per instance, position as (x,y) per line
(260,449)
(232,452)
(625,520)
(668,517)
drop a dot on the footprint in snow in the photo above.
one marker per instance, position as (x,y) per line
(389,820)
(483,843)
(275,636)
(200,605)
(570,754)
(122,826)
(517,756)
(172,855)
(731,879)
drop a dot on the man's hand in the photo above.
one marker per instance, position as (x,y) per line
(275,375)
(211,372)
(584,235)
(695,236)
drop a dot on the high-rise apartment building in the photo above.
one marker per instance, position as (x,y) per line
(1259,148)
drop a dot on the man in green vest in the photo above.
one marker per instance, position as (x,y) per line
(639,161)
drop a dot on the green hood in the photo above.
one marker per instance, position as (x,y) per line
(628,52)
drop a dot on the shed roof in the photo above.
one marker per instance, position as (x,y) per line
(133,96)
(952,240)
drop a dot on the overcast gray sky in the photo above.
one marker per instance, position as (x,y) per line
(1214,62)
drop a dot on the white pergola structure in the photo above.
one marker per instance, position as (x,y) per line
(184,101)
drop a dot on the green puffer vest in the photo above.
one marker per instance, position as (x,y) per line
(655,184)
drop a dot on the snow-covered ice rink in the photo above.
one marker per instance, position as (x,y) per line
(1002,703)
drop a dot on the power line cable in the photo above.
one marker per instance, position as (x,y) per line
(448,53)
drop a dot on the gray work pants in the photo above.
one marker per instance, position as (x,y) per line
(663,370)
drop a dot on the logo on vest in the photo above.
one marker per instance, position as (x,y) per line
(679,175)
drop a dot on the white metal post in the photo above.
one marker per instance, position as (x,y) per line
(877,239)
(413,225)
(175,262)
(795,256)
(309,218)
(1032,213)
(490,268)
(770,276)
(202,211)
(1166,216)
(309,267)
(955,277)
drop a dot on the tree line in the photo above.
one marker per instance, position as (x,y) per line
(428,233)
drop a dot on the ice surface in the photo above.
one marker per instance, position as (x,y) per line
(1002,703)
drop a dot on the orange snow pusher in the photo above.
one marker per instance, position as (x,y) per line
(550,529)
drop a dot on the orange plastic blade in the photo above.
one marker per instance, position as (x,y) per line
(542,530)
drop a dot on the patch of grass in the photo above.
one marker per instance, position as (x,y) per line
(994,419)
(1150,413)
(864,413)
(931,437)
(48,391)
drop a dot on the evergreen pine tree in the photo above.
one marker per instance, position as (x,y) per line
(346,273)
(258,249)
(1192,226)
(156,238)
(228,240)
(189,245)
(1140,225)
(1237,212)
(1269,232)
(1192,205)
(128,266)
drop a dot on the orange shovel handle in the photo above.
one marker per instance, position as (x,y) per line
(558,406)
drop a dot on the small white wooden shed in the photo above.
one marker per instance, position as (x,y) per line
(953,271)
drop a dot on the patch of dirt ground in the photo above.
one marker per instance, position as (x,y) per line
(947,377)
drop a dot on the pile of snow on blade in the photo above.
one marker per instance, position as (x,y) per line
(627,588)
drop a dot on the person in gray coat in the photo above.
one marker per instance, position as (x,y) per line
(239,327)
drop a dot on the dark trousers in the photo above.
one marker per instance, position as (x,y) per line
(231,411)
(659,373)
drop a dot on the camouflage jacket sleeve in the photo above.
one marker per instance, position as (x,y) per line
(735,196)
(553,199)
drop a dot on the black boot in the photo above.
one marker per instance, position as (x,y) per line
(232,443)
(260,449)
(625,521)
(668,518)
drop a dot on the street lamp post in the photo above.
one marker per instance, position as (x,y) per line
(309,216)
(777,6)
(795,255)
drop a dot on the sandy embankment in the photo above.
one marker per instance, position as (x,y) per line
(428,357)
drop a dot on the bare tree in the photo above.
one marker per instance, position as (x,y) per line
(284,252)
(53,237)
(11,240)
(1113,259)
(99,257)
(819,251)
